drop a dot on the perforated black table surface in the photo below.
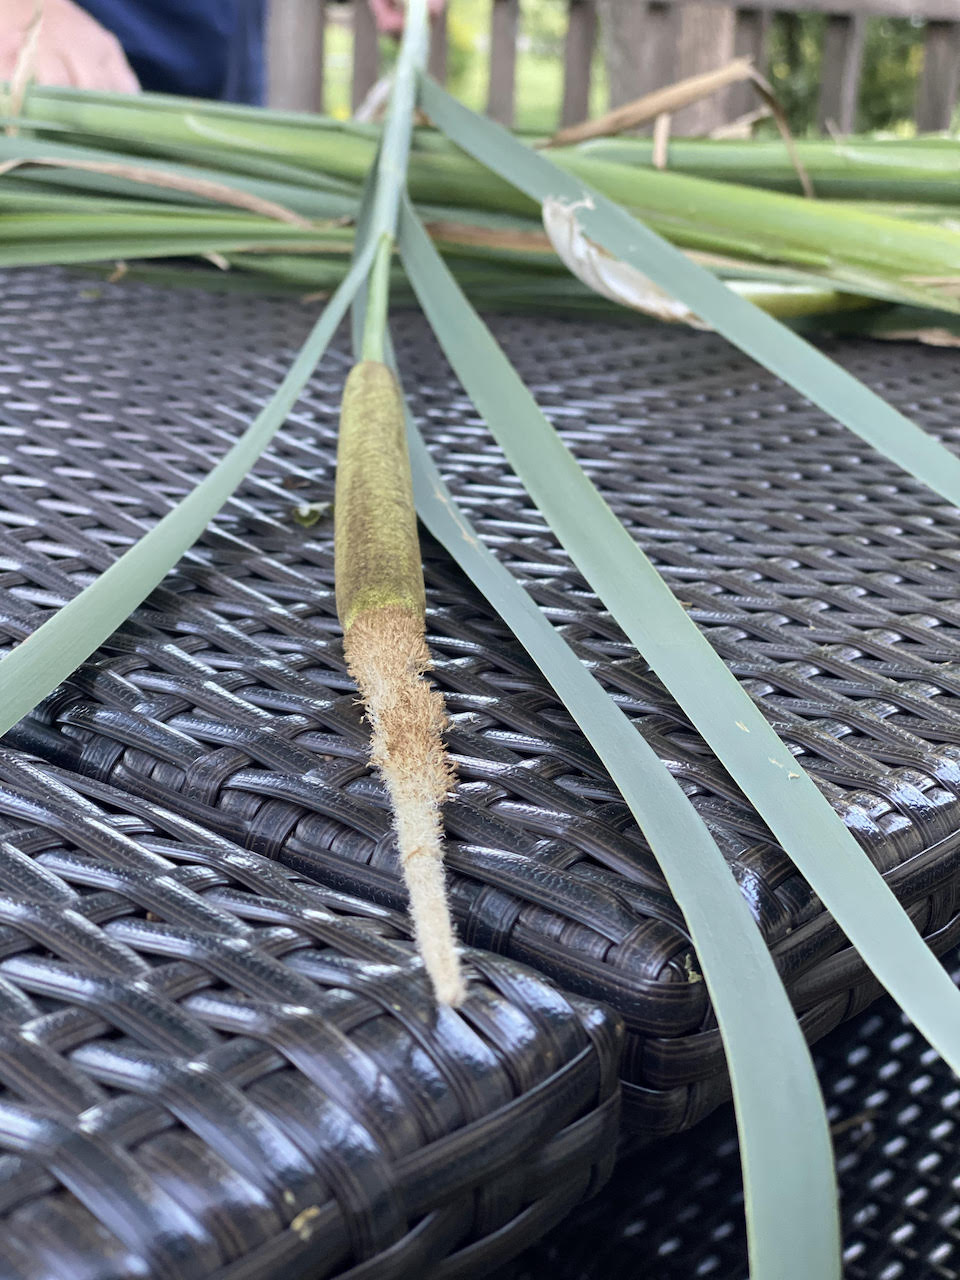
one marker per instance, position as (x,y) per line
(674,1211)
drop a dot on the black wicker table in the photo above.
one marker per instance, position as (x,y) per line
(824,577)
(209,1067)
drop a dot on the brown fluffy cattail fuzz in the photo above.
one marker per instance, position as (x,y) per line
(387,657)
(380,601)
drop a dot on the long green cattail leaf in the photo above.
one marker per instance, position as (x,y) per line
(918,169)
(737,968)
(783,1196)
(850,246)
(777,348)
(866,168)
(304,199)
(44,659)
(788,800)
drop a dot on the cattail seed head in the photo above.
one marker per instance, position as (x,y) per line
(381,603)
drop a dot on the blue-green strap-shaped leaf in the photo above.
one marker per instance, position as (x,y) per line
(777,348)
(756,1022)
(789,1184)
(812,834)
(35,667)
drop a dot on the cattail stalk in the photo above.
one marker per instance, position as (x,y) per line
(381,603)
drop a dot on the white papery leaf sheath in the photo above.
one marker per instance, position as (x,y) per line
(604,274)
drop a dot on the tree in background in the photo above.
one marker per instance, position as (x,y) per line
(644,50)
(893,58)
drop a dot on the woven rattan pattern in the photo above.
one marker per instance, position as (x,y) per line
(675,1212)
(825,578)
(209,1067)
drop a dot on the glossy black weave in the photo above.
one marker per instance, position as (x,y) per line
(826,579)
(675,1211)
(212,1068)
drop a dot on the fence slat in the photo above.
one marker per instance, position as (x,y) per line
(840,72)
(577,60)
(705,34)
(295,31)
(366,53)
(647,43)
(657,55)
(437,61)
(503,60)
(639,47)
(750,36)
(938,85)
(929,10)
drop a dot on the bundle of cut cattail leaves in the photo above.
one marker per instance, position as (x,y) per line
(325,208)
(270,199)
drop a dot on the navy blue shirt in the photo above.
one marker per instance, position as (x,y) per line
(198,48)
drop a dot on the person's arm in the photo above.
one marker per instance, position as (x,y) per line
(73,49)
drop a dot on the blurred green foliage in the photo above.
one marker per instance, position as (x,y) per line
(892,60)
(891,72)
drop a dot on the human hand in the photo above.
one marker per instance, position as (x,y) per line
(72,49)
(390,14)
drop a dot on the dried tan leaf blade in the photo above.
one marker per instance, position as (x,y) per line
(663,101)
(673,97)
(931,337)
(207,188)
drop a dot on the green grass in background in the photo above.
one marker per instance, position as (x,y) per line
(543,24)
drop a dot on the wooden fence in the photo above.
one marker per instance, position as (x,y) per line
(657,41)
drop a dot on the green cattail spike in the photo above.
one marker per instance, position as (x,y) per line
(377,550)
(380,600)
